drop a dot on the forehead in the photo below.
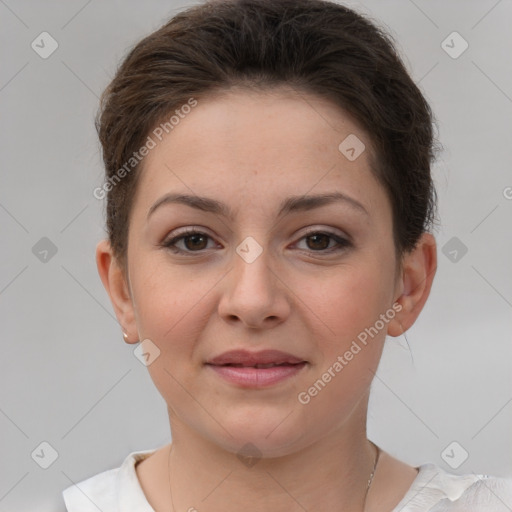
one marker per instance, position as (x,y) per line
(249,124)
(250,148)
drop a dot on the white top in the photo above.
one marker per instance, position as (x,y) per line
(433,490)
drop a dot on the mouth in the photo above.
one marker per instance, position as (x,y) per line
(245,358)
(258,369)
(260,366)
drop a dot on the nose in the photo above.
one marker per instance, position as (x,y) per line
(254,294)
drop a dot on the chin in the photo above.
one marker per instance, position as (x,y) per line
(259,436)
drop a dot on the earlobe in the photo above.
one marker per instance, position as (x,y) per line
(418,271)
(114,281)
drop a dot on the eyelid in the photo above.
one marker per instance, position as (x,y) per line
(343,241)
(309,230)
(327,231)
(181,233)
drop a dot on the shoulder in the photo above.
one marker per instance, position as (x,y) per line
(487,494)
(97,492)
(110,490)
(437,490)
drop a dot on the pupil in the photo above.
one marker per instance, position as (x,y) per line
(315,239)
(323,246)
(194,244)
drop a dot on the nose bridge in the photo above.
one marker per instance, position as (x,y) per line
(252,267)
(252,294)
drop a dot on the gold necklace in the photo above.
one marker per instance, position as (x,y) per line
(370,480)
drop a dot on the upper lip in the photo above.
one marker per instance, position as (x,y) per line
(247,358)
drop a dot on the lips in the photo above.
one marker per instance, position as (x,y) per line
(261,359)
(256,370)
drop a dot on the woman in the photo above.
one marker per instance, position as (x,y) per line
(236,138)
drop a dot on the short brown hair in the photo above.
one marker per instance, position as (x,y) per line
(315,46)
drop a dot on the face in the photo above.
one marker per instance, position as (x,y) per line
(312,280)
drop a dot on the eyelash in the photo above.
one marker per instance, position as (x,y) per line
(343,243)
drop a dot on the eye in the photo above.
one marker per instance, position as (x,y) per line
(194,241)
(319,241)
(197,241)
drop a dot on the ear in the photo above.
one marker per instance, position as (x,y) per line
(114,281)
(414,284)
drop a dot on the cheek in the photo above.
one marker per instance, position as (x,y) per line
(170,306)
(174,306)
(348,300)
(163,291)
(169,302)
(350,304)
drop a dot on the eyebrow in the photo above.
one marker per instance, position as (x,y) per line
(289,205)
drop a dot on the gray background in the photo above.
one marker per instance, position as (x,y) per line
(70,380)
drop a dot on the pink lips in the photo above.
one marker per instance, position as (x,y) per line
(256,369)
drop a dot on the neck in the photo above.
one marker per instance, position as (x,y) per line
(329,475)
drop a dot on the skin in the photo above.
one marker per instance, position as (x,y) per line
(251,150)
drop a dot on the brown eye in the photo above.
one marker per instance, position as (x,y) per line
(196,241)
(317,241)
(193,241)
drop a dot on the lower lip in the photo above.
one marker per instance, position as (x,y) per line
(250,377)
